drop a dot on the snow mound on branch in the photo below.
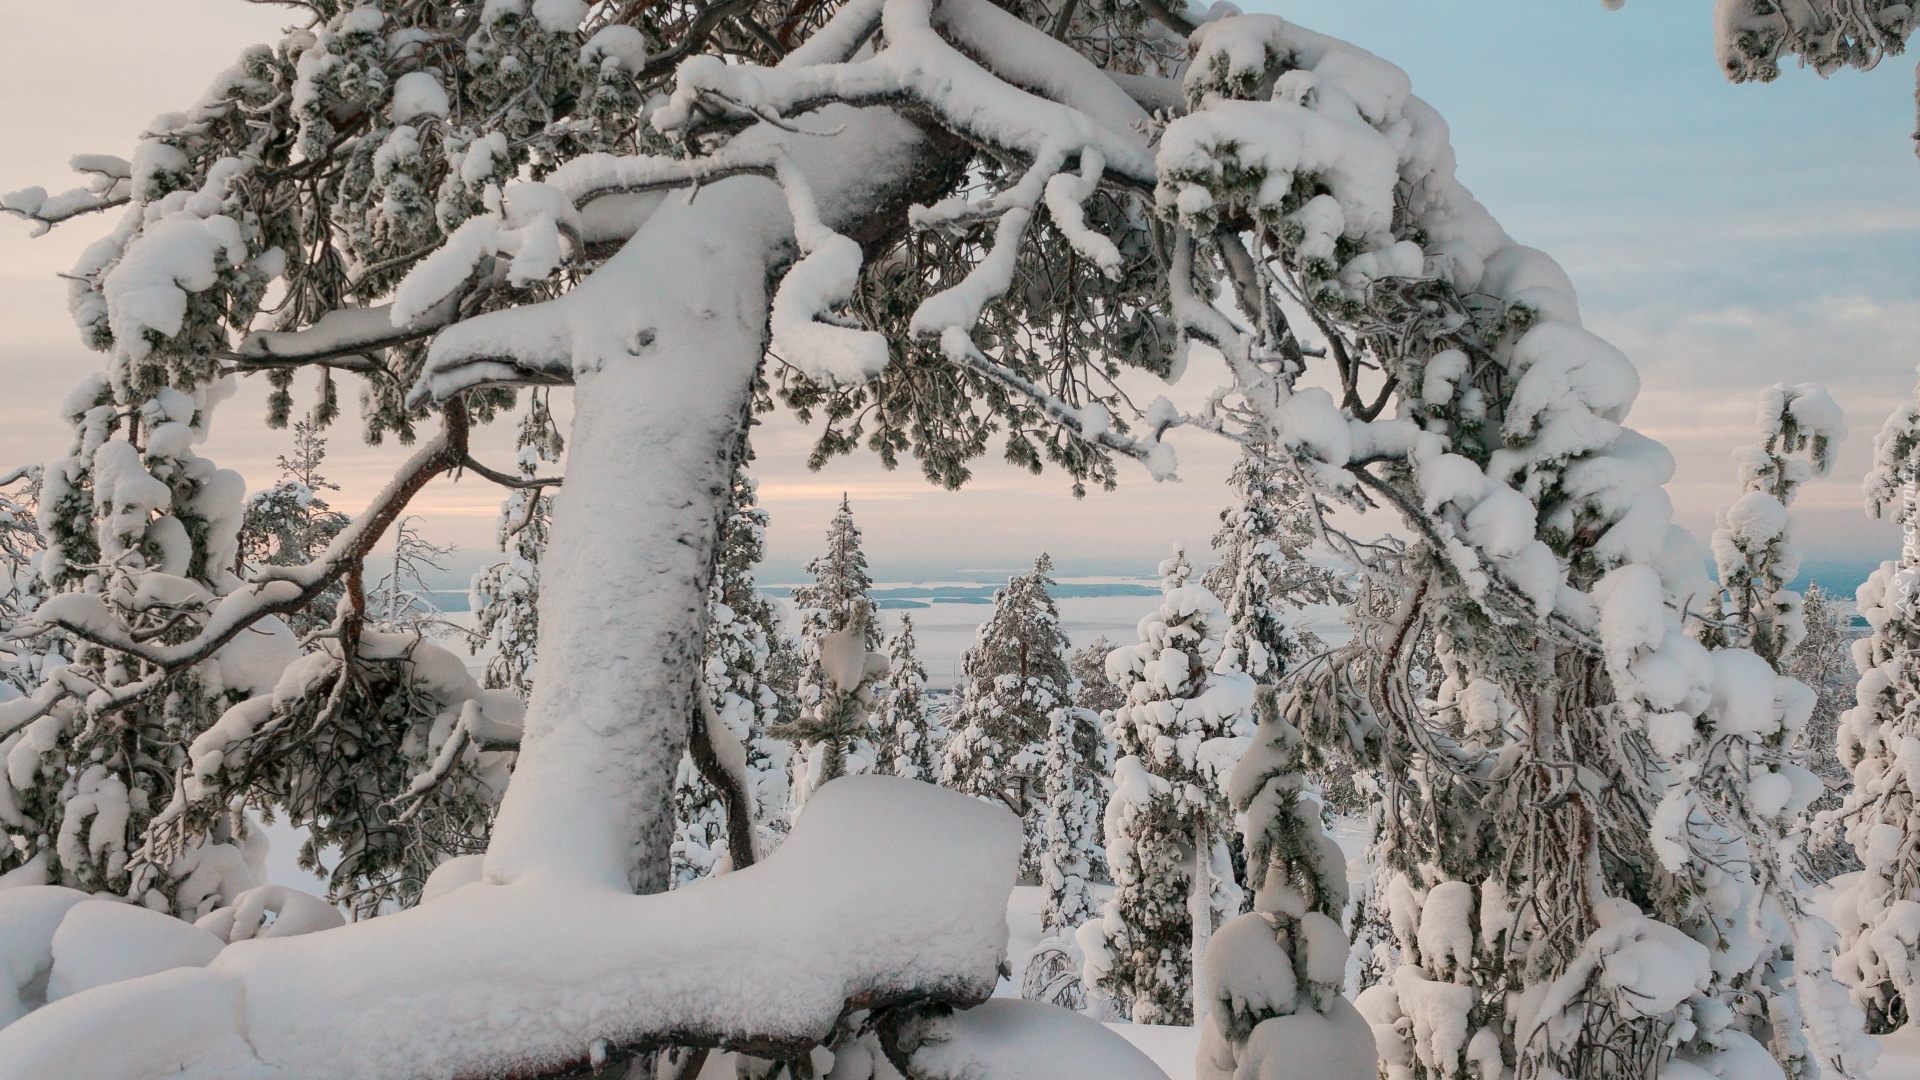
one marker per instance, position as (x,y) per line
(1009,1039)
(102,941)
(29,917)
(419,93)
(857,904)
(1337,1044)
(185,1022)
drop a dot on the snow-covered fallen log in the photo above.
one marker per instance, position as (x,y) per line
(888,892)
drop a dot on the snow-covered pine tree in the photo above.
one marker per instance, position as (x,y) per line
(22,670)
(742,629)
(504,597)
(1824,661)
(1168,822)
(142,541)
(907,741)
(834,737)
(1016,676)
(1072,782)
(1264,572)
(1286,170)
(1880,950)
(1263,576)
(291,522)
(1275,974)
(1091,687)
(1741,793)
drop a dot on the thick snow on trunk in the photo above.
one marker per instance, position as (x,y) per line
(622,605)
(661,343)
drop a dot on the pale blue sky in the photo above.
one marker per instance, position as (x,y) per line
(1725,237)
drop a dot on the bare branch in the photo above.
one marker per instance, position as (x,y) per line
(507,479)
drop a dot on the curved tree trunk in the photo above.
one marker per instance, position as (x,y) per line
(665,339)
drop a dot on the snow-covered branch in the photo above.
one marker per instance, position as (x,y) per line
(763,960)
(346,338)
(1083,107)
(1089,423)
(111,185)
(278,590)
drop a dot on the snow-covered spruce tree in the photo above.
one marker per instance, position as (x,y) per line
(834,739)
(907,741)
(1086,194)
(1073,782)
(1264,572)
(291,522)
(1880,948)
(1168,821)
(1275,973)
(504,597)
(1263,576)
(742,629)
(1753,547)
(1016,676)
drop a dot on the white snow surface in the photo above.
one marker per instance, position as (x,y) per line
(104,941)
(502,978)
(1009,1039)
(29,916)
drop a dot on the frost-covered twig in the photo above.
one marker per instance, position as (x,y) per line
(1156,455)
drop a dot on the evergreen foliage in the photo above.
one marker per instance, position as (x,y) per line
(21,587)
(291,522)
(1288,956)
(907,742)
(505,597)
(1264,572)
(146,533)
(433,195)
(833,731)
(1092,689)
(1016,676)
(1824,661)
(1072,780)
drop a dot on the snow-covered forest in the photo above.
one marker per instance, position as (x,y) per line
(1449,755)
